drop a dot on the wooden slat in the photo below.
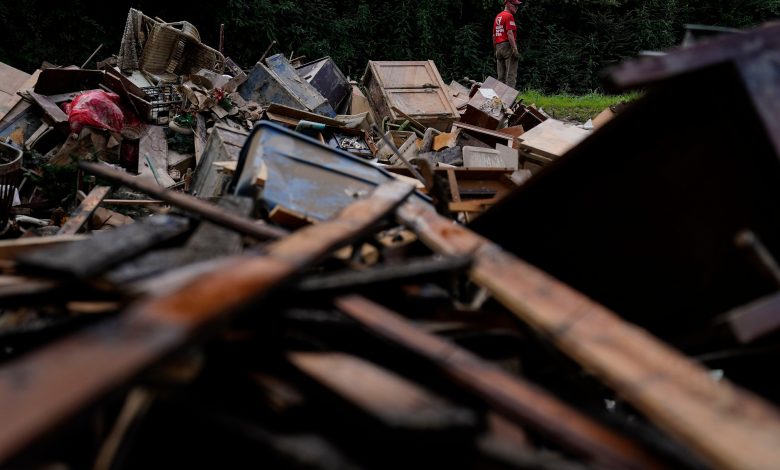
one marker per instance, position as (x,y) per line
(45,388)
(726,425)
(189,203)
(393,400)
(518,400)
(84,211)
(10,249)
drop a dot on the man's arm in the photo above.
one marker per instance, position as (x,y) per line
(513,42)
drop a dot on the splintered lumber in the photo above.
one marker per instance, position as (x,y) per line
(515,398)
(84,211)
(393,400)
(92,256)
(43,389)
(727,426)
(203,209)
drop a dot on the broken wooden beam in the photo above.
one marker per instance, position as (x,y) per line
(727,426)
(391,399)
(511,396)
(84,367)
(203,209)
(84,211)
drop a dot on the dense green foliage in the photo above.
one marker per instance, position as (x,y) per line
(564,43)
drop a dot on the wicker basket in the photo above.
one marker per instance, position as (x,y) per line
(176,48)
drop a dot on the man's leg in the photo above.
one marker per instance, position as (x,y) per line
(503,54)
(511,71)
(500,64)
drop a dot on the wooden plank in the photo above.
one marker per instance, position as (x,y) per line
(411,271)
(86,366)
(724,424)
(11,79)
(10,249)
(189,203)
(755,320)
(490,137)
(153,149)
(473,205)
(511,396)
(14,99)
(603,117)
(56,116)
(393,400)
(84,210)
(453,184)
(94,255)
(280,215)
(536,159)
(552,138)
(22,286)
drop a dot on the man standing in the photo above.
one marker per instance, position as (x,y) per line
(505,43)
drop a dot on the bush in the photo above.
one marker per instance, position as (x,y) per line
(564,43)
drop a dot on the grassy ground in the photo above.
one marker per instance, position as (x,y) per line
(578,108)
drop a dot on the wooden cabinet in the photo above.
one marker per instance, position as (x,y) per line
(414,89)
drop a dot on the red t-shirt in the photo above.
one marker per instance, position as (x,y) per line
(504,23)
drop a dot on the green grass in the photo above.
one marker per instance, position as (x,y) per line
(577,108)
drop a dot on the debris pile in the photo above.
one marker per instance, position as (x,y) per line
(206,265)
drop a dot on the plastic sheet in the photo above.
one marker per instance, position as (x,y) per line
(96,108)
